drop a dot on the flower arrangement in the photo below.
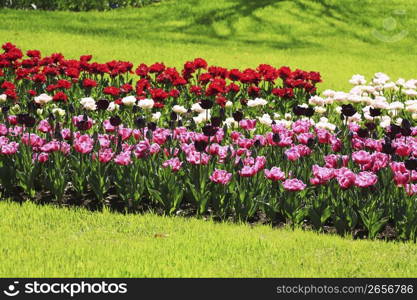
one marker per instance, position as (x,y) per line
(232,143)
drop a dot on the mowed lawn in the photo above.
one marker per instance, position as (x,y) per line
(337,38)
(47,241)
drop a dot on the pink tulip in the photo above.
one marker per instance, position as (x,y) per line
(402,149)
(379,161)
(16,130)
(301,126)
(292,154)
(303,150)
(275,174)
(304,138)
(213,149)
(83,144)
(361,157)
(124,132)
(411,189)
(160,135)
(345,177)
(401,178)
(66,134)
(12,119)
(44,126)
(323,136)
(322,175)
(154,148)
(336,160)
(123,159)
(197,158)
(235,135)
(105,155)
(3,130)
(261,139)
(3,140)
(51,146)
(142,149)
(9,149)
(398,167)
(365,179)
(221,176)
(79,118)
(247,171)
(357,143)
(354,127)
(247,124)
(41,157)
(336,143)
(174,163)
(245,143)
(294,185)
(35,140)
(108,127)
(260,162)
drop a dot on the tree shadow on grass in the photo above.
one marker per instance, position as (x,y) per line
(193,24)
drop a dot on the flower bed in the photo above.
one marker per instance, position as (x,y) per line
(231,143)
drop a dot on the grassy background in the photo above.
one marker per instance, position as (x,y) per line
(56,242)
(337,38)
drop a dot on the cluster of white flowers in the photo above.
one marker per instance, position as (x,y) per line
(257,102)
(3,98)
(380,93)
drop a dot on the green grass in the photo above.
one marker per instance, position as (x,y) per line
(337,38)
(47,241)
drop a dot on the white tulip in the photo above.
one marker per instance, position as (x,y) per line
(316,100)
(396,105)
(146,103)
(411,108)
(328,93)
(410,92)
(231,122)
(58,112)
(257,102)
(197,108)
(357,80)
(265,119)
(320,109)
(113,106)
(155,116)
(43,99)
(129,100)
(179,109)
